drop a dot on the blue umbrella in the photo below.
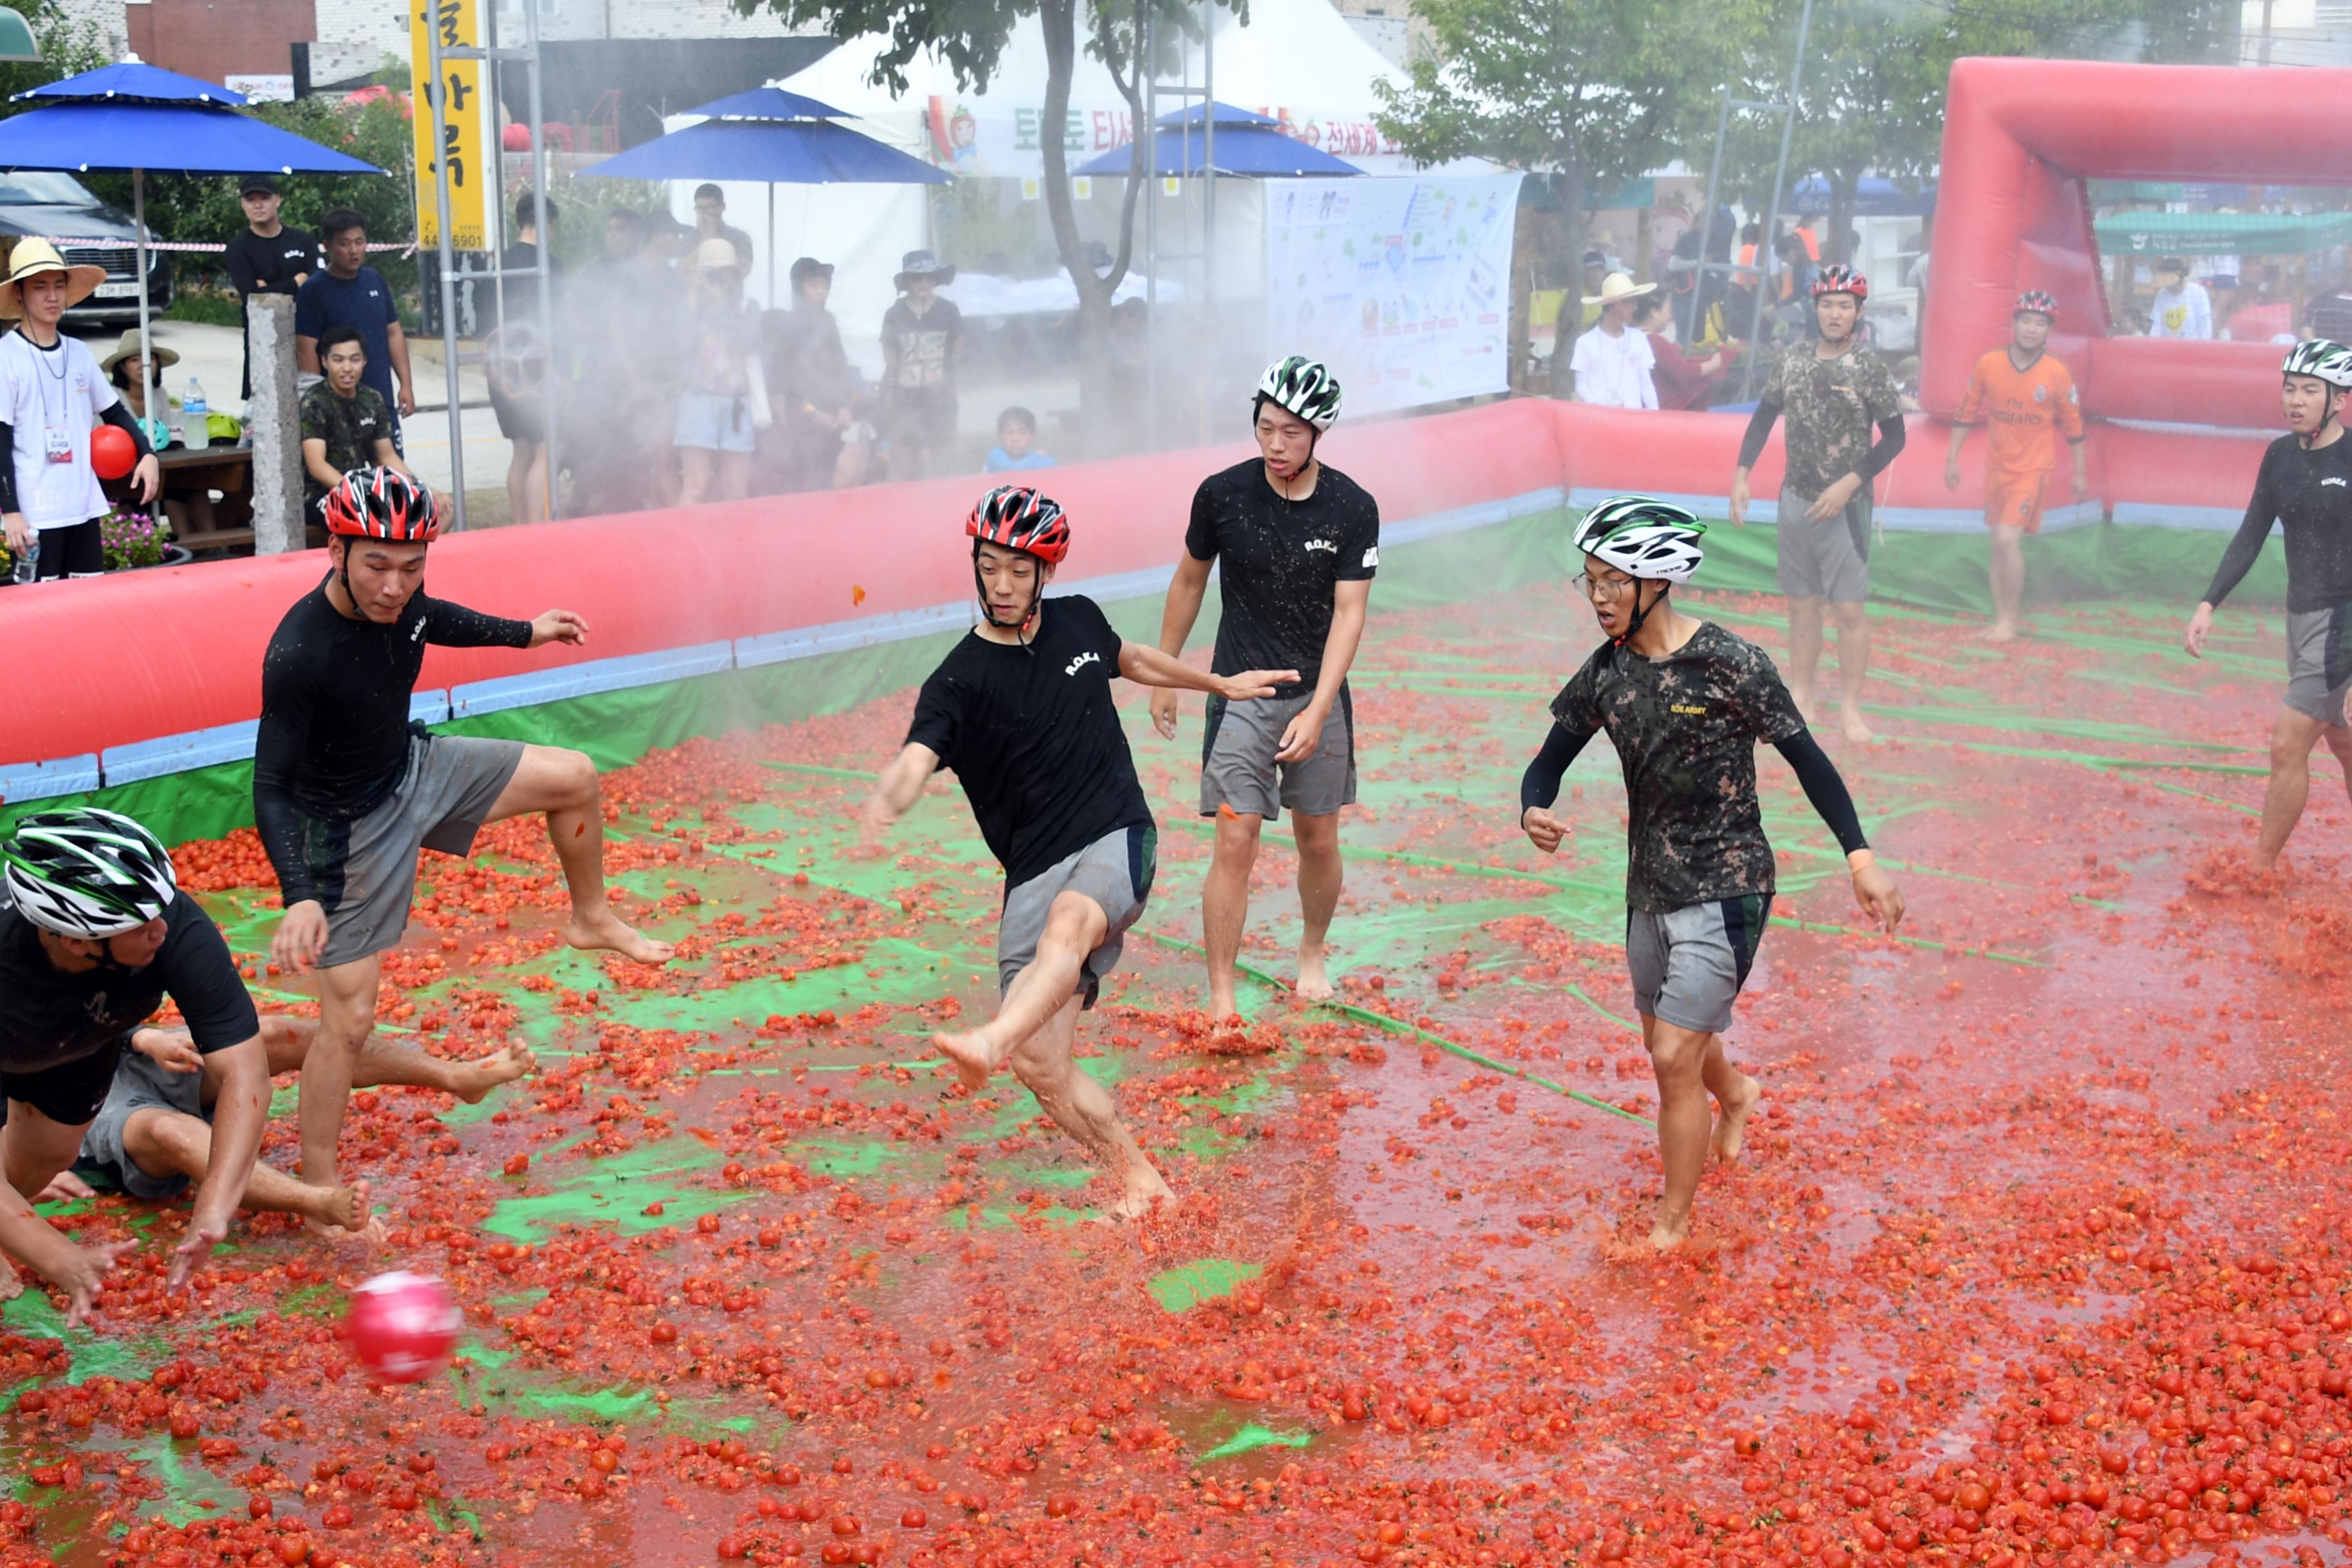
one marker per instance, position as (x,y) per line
(771,137)
(139,117)
(1248,145)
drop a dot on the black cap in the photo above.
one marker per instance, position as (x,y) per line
(809,266)
(259,185)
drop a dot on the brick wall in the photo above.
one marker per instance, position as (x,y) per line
(215,39)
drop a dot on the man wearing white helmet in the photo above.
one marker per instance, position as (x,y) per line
(2306,485)
(94,935)
(1684,702)
(1300,542)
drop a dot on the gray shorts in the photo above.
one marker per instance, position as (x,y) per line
(138,1085)
(2319,662)
(365,872)
(1689,964)
(1115,871)
(1238,768)
(1828,560)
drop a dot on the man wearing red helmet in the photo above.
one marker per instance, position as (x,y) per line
(2023,394)
(1022,710)
(345,793)
(1833,391)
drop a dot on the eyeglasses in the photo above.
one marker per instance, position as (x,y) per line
(1599,588)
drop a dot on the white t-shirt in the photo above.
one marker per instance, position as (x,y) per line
(1614,371)
(2183,312)
(55,389)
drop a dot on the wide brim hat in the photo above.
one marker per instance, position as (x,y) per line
(714,254)
(923,264)
(1619,286)
(33,257)
(129,349)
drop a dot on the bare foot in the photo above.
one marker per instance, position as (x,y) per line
(1221,1005)
(1850,721)
(1999,631)
(473,1080)
(1803,697)
(1141,1193)
(608,932)
(11,1287)
(1313,983)
(974,1055)
(65,1187)
(1666,1238)
(342,1209)
(1731,1125)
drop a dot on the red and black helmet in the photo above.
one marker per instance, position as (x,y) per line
(2038,299)
(383,503)
(1837,279)
(1023,518)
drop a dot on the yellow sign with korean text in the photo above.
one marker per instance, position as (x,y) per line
(467,143)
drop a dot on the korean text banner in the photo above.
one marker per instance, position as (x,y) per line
(466,143)
(1401,285)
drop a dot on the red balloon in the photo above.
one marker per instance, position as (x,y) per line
(112,453)
(402,1327)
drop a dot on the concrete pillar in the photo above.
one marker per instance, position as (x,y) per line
(275,422)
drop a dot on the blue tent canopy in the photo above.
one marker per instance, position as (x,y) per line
(1248,145)
(133,78)
(1874,197)
(767,104)
(772,152)
(162,138)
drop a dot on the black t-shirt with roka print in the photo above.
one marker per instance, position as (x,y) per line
(1284,561)
(1686,728)
(1032,735)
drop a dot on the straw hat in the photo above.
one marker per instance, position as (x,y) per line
(714,254)
(129,349)
(35,255)
(1619,286)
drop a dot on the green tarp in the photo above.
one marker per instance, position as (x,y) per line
(2223,234)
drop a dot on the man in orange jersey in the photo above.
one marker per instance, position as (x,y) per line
(2022,391)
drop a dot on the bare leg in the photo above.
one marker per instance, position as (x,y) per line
(1853,664)
(1678,1056)
(2006,572)
(2291,743)
(693,474)
(527,481)
(1736,1095)
(1075,927)
(564,784)
(346,1019)
(32,1150)
(287,1041)
(2339,741)
(734,475)
(1083,1109)
(1804,651)
(1225,905)
(1320,875)
(169,1143)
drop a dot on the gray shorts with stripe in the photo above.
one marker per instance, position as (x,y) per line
(1688,964)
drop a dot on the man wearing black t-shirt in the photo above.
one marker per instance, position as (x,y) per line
(94,935)
(1022,710)
(269,258)
(1685,703)
(346,793)
(2305,485)
(1300,542)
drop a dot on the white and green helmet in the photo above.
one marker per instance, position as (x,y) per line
(2329,361)
(1305,387)
(87,873)
(1642,538)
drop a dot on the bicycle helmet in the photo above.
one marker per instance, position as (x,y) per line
(1839,279)
(383,503)
(1303,388)
(1642,538)
(2319,358)
(1020,518)
(2037,300)
(87,873)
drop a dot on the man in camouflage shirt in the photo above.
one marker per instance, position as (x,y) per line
(1684,702)
(1833,391)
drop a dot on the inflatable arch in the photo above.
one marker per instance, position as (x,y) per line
(2020,137)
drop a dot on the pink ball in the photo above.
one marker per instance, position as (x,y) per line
(402,1327)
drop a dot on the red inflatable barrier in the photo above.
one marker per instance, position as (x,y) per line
(2020,137)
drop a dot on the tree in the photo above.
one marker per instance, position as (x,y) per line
(1588,92)
(971,36)
(1874,76)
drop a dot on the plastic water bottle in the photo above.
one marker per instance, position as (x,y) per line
(28,563)
(193,412)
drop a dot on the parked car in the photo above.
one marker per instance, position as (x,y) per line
(54,206)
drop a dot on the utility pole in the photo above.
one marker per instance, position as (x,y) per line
(2266,31)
